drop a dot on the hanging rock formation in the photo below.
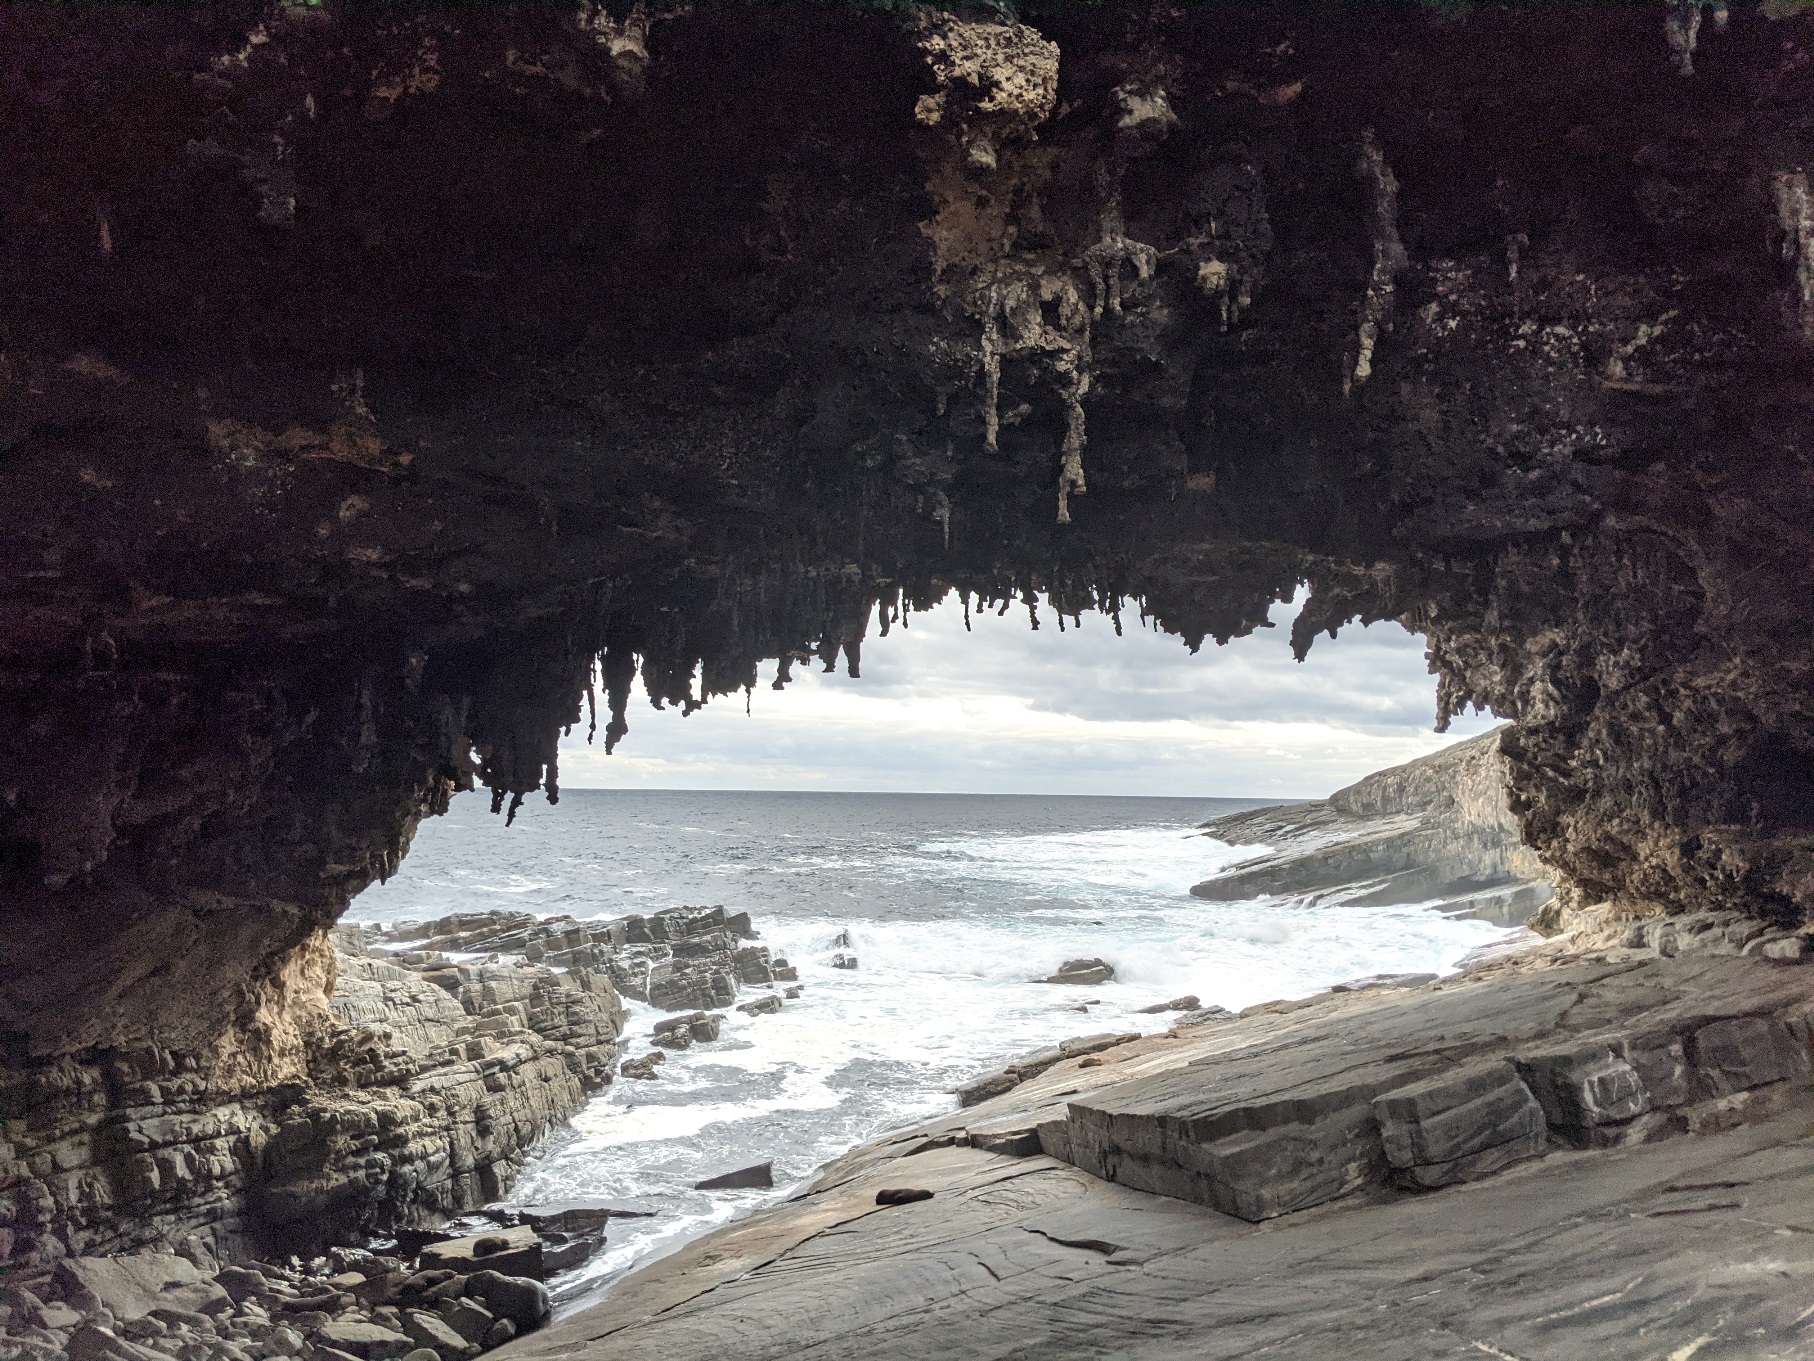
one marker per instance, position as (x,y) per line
(391,368)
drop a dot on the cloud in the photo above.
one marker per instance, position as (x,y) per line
(1005,709)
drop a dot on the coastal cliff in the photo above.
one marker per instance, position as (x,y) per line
(1435,830)
(432,1058)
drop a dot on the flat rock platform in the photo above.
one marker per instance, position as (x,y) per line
(1549,1158)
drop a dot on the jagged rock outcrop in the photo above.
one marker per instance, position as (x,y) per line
(1435,830)
(675,959)
(420,1097)
(392,375)
(425,1084)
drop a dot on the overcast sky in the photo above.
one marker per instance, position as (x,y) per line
(1006,710)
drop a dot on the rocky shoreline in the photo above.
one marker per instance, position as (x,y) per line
(1435,830)
(433,1058)
(454,1046)
(1595,1146)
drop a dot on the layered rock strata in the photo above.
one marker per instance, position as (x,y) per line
(1557,1154)
(443,1053)
(423,1092)
(678,959)
(1434,830)
(397,387)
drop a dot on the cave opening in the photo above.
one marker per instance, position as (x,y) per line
(913,833)
(368,373)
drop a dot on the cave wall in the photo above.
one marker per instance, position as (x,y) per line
(370,372)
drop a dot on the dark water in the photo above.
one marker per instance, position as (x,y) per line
(952,903)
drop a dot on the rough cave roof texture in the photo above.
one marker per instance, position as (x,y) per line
(368,371)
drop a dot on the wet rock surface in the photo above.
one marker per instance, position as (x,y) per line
(1436,830)
(444,1051)
(1081,973)
(1560,1154)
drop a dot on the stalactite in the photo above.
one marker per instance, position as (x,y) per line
(1795,215)
(619,669)
(1389,257)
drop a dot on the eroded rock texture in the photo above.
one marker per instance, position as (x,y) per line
(416,1092)
(1435,830)
(368,372)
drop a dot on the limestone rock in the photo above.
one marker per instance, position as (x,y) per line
(511,1252)
(1436,829)
(130,1286)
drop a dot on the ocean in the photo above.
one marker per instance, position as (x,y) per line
(952,903)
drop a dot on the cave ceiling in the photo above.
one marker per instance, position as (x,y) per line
(387,388)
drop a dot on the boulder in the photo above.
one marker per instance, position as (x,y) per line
(645,1068)
(762,1006)
(501,1332)
(512,1252)
(759,1177)
(431,1330)
(680,1032)
(369,1341)
(133,1284)
(241,1283)
(523,1303)
(842,961)
(1189,1002)
(1081,972)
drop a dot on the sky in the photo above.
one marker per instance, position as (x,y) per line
(1006,710)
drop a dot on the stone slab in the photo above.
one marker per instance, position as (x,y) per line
(513,1252)
(130,1286)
